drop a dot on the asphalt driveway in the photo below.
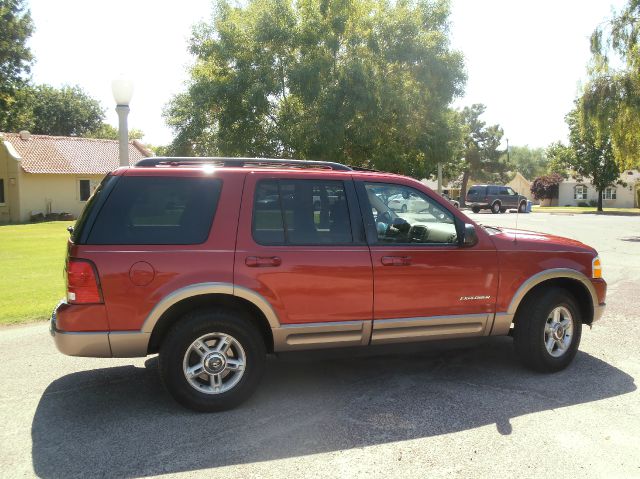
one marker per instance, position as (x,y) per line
(454,411)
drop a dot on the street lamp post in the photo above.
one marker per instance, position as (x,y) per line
(122,92)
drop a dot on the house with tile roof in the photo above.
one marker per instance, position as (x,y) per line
(42,174)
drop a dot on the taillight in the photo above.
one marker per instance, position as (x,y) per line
(82,282)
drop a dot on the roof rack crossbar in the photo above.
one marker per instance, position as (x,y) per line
(239,162)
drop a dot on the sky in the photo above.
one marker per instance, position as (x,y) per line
(524,60)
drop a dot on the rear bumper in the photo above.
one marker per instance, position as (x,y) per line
(98,344)
(87,344)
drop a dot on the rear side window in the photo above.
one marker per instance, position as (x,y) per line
(301,212)
(157,210)
(493,190)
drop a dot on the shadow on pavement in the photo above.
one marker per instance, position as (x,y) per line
(119,422)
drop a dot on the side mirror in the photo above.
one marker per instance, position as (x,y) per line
(470,236)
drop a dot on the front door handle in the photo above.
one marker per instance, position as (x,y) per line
(262,261)
(396,260)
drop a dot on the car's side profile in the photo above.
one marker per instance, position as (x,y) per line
(213,263)
(496,198)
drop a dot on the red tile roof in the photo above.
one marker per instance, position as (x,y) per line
(71,155)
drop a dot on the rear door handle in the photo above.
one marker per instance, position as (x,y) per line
(262,261)
(396,260)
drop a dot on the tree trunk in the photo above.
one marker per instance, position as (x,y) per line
(463,188)
(599,200)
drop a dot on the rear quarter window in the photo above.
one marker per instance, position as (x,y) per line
(157,211)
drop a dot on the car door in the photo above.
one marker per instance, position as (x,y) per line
(514,197)
(507,199)
(426,284)
(301,246)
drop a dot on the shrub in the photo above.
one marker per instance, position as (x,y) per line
(593,203)
(583,204)
(546,187)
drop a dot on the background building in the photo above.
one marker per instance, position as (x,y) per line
(42,174)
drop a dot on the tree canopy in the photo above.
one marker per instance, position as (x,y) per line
(593,152)
(529,162)
(16,27)
(612,96)
(482,158)
(365,82)
(66,111)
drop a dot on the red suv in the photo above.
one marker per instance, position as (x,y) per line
(214,262)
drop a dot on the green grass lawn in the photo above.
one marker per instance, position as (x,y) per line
(585,209)
(31,264)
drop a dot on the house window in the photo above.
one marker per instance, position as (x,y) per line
(85,189)
(580,192)
(609,193)
(1,191)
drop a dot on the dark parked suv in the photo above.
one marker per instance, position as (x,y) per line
(496,198)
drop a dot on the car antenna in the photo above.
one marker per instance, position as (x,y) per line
(515,234)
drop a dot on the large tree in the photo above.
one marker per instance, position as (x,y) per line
(365,82)
(16,27)
(612,98)
(593,156)
(482,157)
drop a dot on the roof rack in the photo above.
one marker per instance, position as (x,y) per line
(239,163)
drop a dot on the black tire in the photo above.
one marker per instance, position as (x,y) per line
(529,331)
(495,208)
(475,209)
(403,209)
(522,208)
(503,210)
(193,326)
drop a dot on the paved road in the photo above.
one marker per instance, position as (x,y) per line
(463,412)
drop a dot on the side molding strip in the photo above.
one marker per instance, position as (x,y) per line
(294,337)
(427,328)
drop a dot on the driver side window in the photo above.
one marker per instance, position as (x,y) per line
(404,215)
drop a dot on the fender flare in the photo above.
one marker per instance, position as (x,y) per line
(200,289)
(548,274)
(503,321)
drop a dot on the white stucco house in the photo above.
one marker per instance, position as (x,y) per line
(626,195)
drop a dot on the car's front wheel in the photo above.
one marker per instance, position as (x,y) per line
(212,360)
(547,332)
(523,207)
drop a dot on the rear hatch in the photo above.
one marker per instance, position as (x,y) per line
(477,194)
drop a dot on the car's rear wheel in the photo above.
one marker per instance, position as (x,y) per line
(475,209)
(522,208)
(547,330)
(495,208)
(212,360)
